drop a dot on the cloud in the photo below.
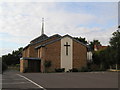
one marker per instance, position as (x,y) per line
(24,19)
(4,51)
(21,22)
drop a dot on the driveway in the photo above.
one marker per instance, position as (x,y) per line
(16,80)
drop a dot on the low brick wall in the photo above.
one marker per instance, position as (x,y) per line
(23,65)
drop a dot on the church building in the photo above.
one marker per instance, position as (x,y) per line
(60,51)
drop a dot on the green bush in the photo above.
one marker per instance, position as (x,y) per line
(102,69)
(73,70)
(47,64)
(85,69)
(60,70)
(17,65)
(4,67)
(94,67)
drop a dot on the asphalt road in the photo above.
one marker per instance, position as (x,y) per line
(15,80)
(12,81)
(0,80)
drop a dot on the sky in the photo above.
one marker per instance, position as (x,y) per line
(20,22)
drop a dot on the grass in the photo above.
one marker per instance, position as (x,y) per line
(14,68)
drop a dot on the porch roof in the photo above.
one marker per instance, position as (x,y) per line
(29,58)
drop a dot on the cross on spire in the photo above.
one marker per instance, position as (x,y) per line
(67,47)
(42,26)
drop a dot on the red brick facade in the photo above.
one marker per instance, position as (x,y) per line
(79,55)
(52,52)
(23,65)
(30,50)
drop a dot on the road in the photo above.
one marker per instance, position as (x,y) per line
(15,80)
(12,81)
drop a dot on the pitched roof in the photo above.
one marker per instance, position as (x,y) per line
(99,47)
(60,39)
(29,58)
(26,46)
(47,43)
(56,35)
(42,37)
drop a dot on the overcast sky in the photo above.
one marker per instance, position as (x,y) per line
(21,22)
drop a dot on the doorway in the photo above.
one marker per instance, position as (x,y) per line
(33,65)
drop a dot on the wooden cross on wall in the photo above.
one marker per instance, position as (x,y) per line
(67,47)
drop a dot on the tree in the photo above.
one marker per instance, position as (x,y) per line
(119,26)
(4,67)
(110,56)
(14,58)
(115,45)
(103,58)
(18,52)
(95,57)
(94,42)
(83,40)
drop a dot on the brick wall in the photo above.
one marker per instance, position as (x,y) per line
(23,65)
(25,53)
(33,52)
(51,53)
(41,55)
(79,55)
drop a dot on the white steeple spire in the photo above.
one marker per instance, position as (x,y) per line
(42,26)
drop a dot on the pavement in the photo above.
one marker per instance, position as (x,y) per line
(12,81)
(42,81)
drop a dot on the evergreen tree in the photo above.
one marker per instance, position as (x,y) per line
(83,40)
(115,45)
(14,58)
(94,42)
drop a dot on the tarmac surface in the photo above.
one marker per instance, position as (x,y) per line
(14,80)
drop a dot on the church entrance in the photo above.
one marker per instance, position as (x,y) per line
(33,65)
